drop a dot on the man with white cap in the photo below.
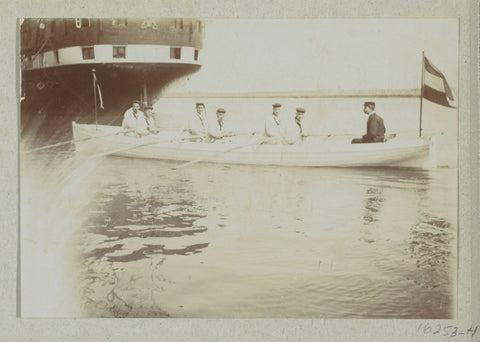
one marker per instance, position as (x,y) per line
(197,123)
(135,119)
(299,114)
(217,131)
(296,131)
(152,127)
(273,128)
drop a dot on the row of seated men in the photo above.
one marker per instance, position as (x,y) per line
(199,130)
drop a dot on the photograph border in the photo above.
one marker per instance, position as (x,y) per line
(59,329)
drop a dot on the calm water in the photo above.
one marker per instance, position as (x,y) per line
(117,237)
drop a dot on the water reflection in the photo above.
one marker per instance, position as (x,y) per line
(373,204)
(431,240)
(127,235)
(268,242)
(243,241)
(127,215)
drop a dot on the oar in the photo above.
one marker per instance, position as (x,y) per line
(152,142)
(221,152)
(326,138)
(318,135)
(238,135)
(293,142)
(78,140)
(246,133)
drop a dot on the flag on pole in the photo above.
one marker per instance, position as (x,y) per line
(435,86)
(99,91)
(100,96)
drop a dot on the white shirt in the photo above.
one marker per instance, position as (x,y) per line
(197,125)
(217,131)
(152,127)
(293,133)
(272,126)
(136,121)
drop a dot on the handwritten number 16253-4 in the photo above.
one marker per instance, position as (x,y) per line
(447,330)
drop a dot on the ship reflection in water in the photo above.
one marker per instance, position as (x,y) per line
(243,241)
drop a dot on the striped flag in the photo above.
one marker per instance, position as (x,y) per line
(435,86)
(99,91)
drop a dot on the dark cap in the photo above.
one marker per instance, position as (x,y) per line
(221,110)
(370,104)
(301,110)
(148,107)
(199,104)
(136,101)
(276,105)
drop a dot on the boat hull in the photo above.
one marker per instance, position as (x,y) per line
(395,153)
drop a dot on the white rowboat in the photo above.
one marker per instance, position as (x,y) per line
(313,152)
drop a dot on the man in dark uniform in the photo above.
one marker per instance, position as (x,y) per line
(375,126)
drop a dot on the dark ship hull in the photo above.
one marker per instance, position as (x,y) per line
(132,59)
(68,91)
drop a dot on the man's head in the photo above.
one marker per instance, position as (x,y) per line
(276,108)
(299,114)
(200,107)
(149,111)
(221,113)
(368,107)
(135,106)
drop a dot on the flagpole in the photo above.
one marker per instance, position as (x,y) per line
(421,94)
(95,98)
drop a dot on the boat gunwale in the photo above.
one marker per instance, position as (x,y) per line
(396,144)
(356,155)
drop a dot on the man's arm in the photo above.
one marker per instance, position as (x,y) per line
(129,121)
(195,127)
(142,126)
(382,127)
(151,125)
(271,128)
(372,127)
(216,134)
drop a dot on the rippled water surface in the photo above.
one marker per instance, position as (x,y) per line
(220,241)
(117,237)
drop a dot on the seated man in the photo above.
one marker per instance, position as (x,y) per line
(152,127)
(135,119)
(273,129)
(197,123)
(375,126)
(218,130)
(297,132)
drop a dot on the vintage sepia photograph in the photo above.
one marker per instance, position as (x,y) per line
(238,168)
